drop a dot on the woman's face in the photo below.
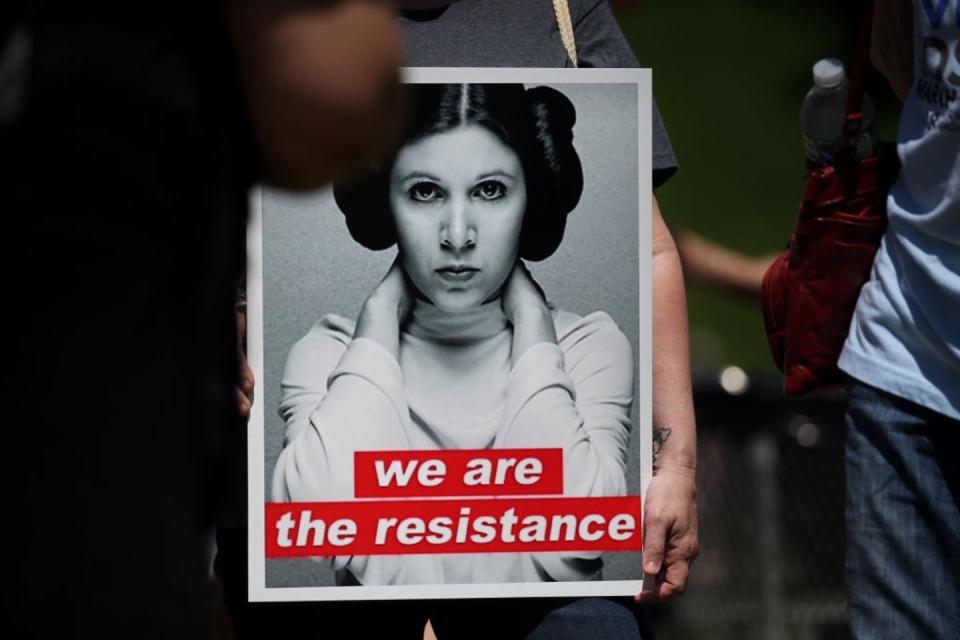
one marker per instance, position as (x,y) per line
(458,200)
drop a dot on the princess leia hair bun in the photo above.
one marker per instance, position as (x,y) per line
(536,123)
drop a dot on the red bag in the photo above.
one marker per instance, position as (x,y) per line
(810,291)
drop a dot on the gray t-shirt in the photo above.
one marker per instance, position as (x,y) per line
(524,33)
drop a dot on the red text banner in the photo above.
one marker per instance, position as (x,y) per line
(398,527)
(461,472)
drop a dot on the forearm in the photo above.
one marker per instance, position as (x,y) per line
(361,408)
(575,396)
(674,425)
(318,463)
(379,322)
(714,265)
(542,413)
(385,310)
(533,326)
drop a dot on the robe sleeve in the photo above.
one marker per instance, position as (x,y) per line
(338,396)
(576,396)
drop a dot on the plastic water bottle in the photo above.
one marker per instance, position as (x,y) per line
(823,112)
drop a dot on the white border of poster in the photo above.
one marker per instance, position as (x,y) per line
(256,463)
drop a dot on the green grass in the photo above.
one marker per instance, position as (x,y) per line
(729,78)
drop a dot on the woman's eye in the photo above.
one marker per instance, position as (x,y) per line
(425,192)
(490,190)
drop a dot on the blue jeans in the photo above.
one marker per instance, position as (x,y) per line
(903,518)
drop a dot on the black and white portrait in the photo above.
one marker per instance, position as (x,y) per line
(481,287)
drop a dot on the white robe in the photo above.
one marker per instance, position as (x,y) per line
(454,388)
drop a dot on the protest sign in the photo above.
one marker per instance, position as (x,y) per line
(453,351)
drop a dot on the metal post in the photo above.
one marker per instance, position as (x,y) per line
(763,456)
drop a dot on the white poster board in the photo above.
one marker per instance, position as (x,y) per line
(457,459)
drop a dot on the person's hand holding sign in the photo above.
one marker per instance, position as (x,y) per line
(670,532)
(670,510)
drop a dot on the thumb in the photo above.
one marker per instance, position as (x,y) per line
(654,540)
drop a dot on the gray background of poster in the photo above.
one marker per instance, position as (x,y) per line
(312,267)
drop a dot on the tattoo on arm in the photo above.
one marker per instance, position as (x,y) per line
(660,437)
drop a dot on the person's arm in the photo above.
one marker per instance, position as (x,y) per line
(891,43)
(338,396)
(575,395)
(716,266)
(670,509)
(343,392)
(321,83)
(386,309)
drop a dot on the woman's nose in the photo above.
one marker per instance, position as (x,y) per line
(457,231)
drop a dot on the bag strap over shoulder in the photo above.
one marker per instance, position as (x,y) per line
(565,24)
(858,73)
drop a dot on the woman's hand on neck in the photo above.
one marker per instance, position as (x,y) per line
(386,309)
(525,308)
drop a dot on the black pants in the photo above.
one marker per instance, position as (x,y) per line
(533,618)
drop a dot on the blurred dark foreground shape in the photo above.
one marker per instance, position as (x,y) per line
(126,154)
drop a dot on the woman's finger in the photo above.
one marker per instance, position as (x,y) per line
(243,403)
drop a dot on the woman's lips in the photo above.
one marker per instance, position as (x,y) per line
(457,273)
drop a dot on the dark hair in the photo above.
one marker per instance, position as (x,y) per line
(536,123)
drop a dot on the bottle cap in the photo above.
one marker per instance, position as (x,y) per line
(828,73)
